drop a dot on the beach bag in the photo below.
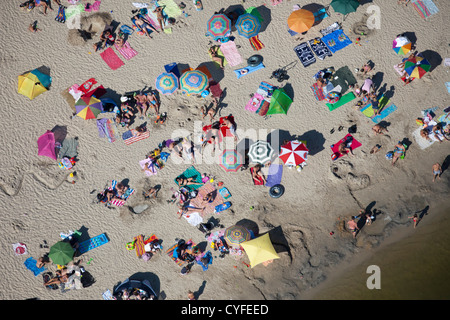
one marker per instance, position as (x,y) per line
(389,155)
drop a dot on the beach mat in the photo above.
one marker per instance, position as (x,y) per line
(386,109)
(421,142)
(111,58)
(221,56)
(318,92)
(247,70)
(126,51)
(231,54)
(343,100)
(139,245)
(337,40)
(30,264)
(305,54)
(256,43)
(197,202)
(191,172)
(335,147)
(93,243)
(274,175)
(319,48)
(425,8)
(130,138)
(171,9)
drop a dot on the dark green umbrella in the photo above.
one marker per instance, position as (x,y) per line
(344,6)
(61,253)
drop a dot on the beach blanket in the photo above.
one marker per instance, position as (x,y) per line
(274,175)
(231,54)
(111,59)
(171,9)
(318,92)
(126,29)
(120,202)
(354,144)
(172,254)
(126,51)
(148,164)
(247,70)
(385,106)
(30,264)
(305,54)
(330,29)
(263,108)
(425,8)
(336,40)
(443,119)
(319,48)
(256,43)
(193,218)
(93,243)
(111,130)
(197,202)
(191,172)
(139,245)
(225,193)
(61,15)
(343,100)
(421,142)
(221,56)
(130,136)
(254,103)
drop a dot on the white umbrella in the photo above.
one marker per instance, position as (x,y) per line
(260,152)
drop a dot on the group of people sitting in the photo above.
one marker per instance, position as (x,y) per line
(433,131)
(142,102)
(44,4)
(119,192)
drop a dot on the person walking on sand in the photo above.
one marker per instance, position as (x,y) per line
(437,171)
(415,219)
(353,227)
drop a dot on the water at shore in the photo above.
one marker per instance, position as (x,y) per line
(414,267)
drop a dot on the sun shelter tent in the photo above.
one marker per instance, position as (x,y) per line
(279,102)
(260,250)
(46,145)
(33,83)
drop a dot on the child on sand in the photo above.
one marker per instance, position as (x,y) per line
(437,171)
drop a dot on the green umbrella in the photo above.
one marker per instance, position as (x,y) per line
(344,6)
(61,253)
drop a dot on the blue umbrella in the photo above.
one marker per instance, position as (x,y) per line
(248,25)
(166,83)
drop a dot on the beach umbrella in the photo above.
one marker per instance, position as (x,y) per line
(401,45)
(300,20)
(260,152)
(293,153)
(193,82)
(61,253)
(248,25)
(218,26)
(88,107)
(235,235)
(417,66)
(231,160)
(46,145)
(344,6)
(259,250)
(279,102)
(166,83)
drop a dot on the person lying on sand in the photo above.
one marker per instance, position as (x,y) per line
(378,129)
(345,147)
(143,24)
(184,210)
(182,182)
(159,15)
(211,111)
(257,174)
(153,102)
(141,103)
(152,192)
(33,27)
(215,56)
(353,227)
(42,262)
(106,39)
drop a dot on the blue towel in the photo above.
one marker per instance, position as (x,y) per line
(30,263)
(336,40)
(208,256)
(249,69)
(384,113)
(126,29)
(274,175)
(319,48)
(305,54)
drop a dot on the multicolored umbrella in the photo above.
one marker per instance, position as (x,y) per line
(248,25)
(88,107)
(300,20)
(235,235)
(260,152)
(401,45)
(260,250)
(231,160)
(416,67)
(344,6)
(166,83)
(61,253)
(218,26)
(293,153)
(193,82)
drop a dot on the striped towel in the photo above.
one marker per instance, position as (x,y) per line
(197,202)
(130,137)
(120,202)
(318,92)
(126,51)
(139,245)
(425,8)
(256,43)
(231,54)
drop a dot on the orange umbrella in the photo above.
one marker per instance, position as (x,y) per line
(301,20)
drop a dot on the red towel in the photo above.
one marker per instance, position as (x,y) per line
(335,148)
(111,58)
(126,51)
(259,182)
(256,43)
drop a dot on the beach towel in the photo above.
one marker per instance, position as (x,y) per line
(225,193)
(221,56)
(305,54)
(30,264)
(126,51)
(191,172)
(148,164)
(97,92)
(208,259)
(336,40)
(263,108)
(256,43)
(120,202)
(386,108)
(259,180)
(421,142)
(318,92)
(274,175)
(139,245)
(231,54)
(126,29)
(197,202)
(93,243)
(193,218)
(61,15)
(319,48)
(172,254)
(111,59)
(110,130)
(343,100)
(130,136)
(444,119)
(254,103)
(330,29)
(265,89)
(354,144)
(425,8)
(171,9)
(247,70)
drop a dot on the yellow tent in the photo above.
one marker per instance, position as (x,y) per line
(259,250)
(30,86)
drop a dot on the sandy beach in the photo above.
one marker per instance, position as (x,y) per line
(307,224)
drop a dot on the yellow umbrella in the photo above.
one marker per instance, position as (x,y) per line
(259,250)
(30,85)
(300,20)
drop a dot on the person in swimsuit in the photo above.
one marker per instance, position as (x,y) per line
(215,56)
(257,174)
(377,129)
(153,102)
(415,219)
(159,15)
(437,171)
(141,103)
(345,147)
(43,4)
(353,227)
(399,150)
(143,24)
(182,182)
(209,198)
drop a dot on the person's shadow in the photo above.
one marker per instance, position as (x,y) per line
(445,164)
(200,290)
(423,212)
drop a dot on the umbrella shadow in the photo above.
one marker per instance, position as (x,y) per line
(411,37)
(150,277)
(60,133)
(216,73)
(250,225)
(314,141)
(233,12)
(433,58)
(279,241)
(314,7)
(266,15)
(277,138)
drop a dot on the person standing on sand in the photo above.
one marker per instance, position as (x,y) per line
(437,171)
(415,219)
(353,226)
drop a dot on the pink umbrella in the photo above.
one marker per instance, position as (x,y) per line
(46,145)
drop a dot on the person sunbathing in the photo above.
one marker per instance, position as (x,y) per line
(120,41)
(439,133)
(120,190)
(366,68)
(139,131)
(42,262)
(61,277)
(43,4)
(184,210)
(214,51)
(160,17)
(152,192)
(141,103)
(153,102)
(232,126)
(143,24)
(424,133)
(182,182)
(257,174)
(345,147)
(399,150)
(211,111)
(378,129)
(208,198)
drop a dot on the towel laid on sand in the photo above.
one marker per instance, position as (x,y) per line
(336,40)
(126,51)
(131,136)
(197,202)
(274,175)
(319,48)
(353,145)
(343,100)
(191,172)
(148,164)
(385,106)
(30,264)
(247,70)
(305,54)
(425,8)
(231,54)
(111,58)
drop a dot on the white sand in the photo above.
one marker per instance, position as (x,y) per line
(37,202)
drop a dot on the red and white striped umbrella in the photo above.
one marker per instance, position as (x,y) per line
(293,153)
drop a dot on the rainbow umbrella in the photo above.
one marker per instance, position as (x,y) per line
(88,107)
(231,160)
(300,20)
(235,235)
(218,26)
(166,83)
(293,153)
(248,25)
(193,82)
(401,45)
(416,67)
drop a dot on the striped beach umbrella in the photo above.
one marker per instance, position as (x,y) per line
(293,153)
(88,107)
(218,26)
(166,83)
(260,152)
(248,25)
(235,235)
(193,82)
(300,20)
(401,45)
(417,66)
(230,160)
